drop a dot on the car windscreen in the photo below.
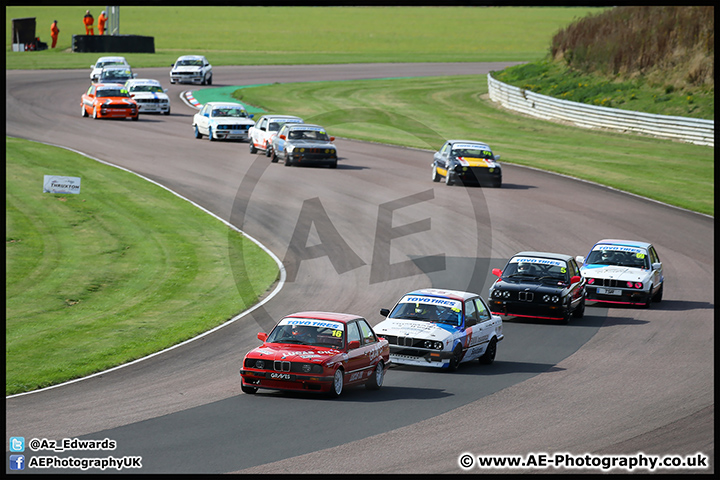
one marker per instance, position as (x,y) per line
(472,153)
(112,92)
(626,257)
(314,332)
(228,112)
(428,309)
(315,135)
(535,268)
(197,63)
(146,88)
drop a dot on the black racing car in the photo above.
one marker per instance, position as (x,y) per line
(539,285)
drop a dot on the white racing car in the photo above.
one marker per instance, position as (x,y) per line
(440,328)
(261,135)
(149,94)
(623,272)
(222,120)
(191,69)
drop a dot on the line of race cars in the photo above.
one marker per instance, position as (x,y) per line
(326,351)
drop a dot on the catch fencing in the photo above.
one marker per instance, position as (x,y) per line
(692,130)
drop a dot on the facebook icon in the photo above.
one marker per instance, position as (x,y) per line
(17,462)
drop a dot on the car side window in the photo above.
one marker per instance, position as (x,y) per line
(653,255)
(572,269)
(471,317)
(263,123)
(366,332)
(482,311)
(353,333)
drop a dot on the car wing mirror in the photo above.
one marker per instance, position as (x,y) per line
(252,115)
(497,272)
(262,336)
(332,139)
(580,260)
(497,157)
(354,344)
(384,312)
(575,279)
(283,137)
(657,266)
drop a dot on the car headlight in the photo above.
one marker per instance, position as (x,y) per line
(431,344)
(551,298)
(259,363)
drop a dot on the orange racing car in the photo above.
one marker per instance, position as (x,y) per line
(109,100)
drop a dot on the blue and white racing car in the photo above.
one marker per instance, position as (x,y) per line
(440,328)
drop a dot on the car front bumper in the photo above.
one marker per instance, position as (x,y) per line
(286,381)
(620,296)
(529,310)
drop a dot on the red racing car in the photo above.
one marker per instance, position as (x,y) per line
(317,352)
(108,100)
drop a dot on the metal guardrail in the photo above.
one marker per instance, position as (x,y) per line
(692,130)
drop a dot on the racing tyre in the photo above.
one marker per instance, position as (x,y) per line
(268,152)
(84,112)
(658,296)
(579,312)
(197,132)
(376,379)
(168,112)
(209,80)
(253,150)
(448,180)
(95,115)
(488,357)
(210,135)
(497,183)
(455,360)
(248,389)
(135,118)
(288,162)
(333,164)
(435,174)
(338,383)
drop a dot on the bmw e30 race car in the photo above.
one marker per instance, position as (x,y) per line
(317,352)
(539,285)
(467,162)
(440,328)
(110,100)
(623,272)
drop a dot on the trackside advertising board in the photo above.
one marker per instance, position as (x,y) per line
(58,184)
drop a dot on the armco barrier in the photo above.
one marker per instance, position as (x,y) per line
(692,130)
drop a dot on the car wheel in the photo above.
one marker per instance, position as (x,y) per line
(489,356)
(333,164)
(579,312)
(497,183)
(448,179)
(84,112)
(135,118)
(435,174)
(455,359)
(288,161)
(338,383)
(168,112)
(273,157)
(248,389)
(376,379)
(253,150)
(197,132)
(95,114)
(209,80)
(658,296)
(210,135)
(268,151)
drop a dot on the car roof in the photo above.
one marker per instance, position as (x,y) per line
(226,104)
(274,117)
(108,84)
(116,67)
(476,142)
(109,59)
(438,292)
(337,317)
(554,256)
(624,243)
(191,57)
(303,125)
(141,81)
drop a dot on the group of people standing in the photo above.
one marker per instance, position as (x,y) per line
(88,21)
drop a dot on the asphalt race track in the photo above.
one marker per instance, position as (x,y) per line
(618,381)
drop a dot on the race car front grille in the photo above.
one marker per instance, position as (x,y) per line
(285,366)
(150,100)
(233,127)
(606,282)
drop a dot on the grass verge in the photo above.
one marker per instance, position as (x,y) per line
(434,109)
(112,274)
